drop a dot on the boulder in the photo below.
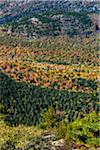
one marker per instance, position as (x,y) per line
(59,145)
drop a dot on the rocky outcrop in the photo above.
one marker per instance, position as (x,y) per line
(59,145)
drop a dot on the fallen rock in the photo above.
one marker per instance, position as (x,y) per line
(59,145)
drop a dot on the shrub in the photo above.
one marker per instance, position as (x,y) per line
(84,130)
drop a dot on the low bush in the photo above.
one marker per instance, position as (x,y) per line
(83,131)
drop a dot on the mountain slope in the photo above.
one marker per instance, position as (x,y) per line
(33,18)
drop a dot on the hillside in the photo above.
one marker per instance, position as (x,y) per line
(49,75)
(36,19)
(42,73)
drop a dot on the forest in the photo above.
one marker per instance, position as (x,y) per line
(49,75)
(44,84)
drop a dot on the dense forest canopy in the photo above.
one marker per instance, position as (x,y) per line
(49,75)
